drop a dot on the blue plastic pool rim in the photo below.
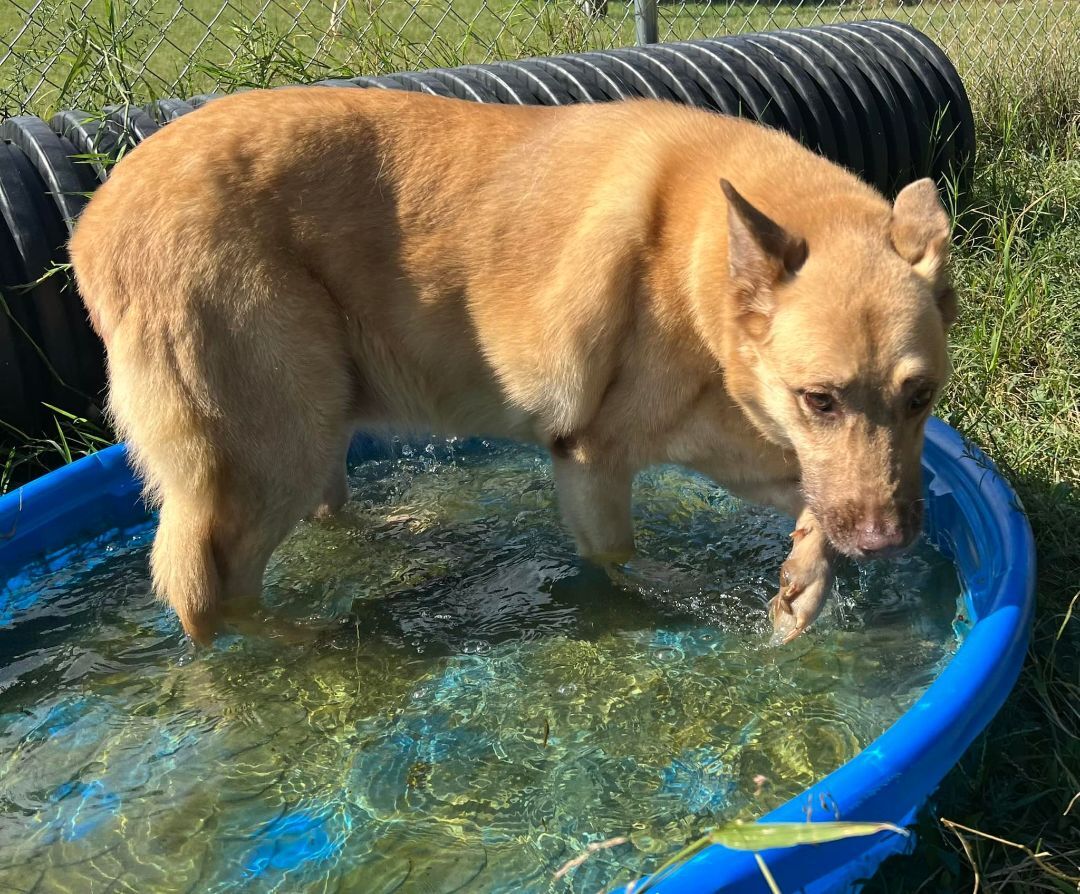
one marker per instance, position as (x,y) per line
(888,781)
(928,739)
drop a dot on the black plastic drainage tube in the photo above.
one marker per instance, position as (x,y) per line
(878,97)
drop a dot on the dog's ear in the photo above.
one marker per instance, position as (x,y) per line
(920,234)
(761,253)
(920,228)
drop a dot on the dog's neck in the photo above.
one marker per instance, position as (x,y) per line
(688,282)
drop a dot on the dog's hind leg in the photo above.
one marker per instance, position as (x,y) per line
(233,425)
(594,499)
(212,547)
(336,491)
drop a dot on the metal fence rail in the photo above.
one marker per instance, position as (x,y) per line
(65,53)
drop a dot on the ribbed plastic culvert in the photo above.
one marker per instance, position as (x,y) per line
(533,86)
(615,85)
(567,84)
(851,87)
(906,103)
(827,98)
(672,72)
(67,187)
(94,137)
(751,97)
(877,97)
(51,154)
(476,84)
(707,71)
(799,102)
(417,82)
(406,82)
(580,80)
(50,352)
(202,99)
(165,110)
(134,123)
(953,127)
(486,83)
(25,375)
(895,144)
(642,82)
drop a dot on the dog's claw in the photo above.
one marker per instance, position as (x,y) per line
(780,604)
(789,588)
(793,633)
(787,624)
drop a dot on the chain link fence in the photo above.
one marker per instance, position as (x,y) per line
(87,53)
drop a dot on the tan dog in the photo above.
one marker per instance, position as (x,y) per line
(280,268)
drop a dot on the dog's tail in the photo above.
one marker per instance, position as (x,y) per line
(184,566)
(172,445)
(231,442)
(229,381)
(158,399)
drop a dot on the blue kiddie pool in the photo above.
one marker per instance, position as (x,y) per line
(973,518)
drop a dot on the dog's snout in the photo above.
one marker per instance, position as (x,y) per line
(873,531)
(885,531)
(880,537)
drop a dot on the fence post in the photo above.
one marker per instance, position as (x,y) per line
(645,20)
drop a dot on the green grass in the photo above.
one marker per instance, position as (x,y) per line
(114,51)
(1016,389)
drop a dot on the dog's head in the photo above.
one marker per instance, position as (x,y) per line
(837,350)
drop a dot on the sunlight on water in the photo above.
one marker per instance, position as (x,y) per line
(462,704)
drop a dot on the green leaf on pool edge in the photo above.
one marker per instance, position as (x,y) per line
(744,836)
(760,836)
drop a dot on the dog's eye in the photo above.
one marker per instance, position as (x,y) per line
(819,401)
(920,400)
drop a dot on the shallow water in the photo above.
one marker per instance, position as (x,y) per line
(464,706)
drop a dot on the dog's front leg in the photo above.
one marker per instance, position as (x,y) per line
(806,579)
(594,498)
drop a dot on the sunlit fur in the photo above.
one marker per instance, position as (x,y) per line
(381,260)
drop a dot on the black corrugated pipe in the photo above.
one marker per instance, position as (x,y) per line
(878,97)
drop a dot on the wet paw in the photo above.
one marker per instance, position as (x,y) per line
(805,581)
(247,618)
(334,499)
(324,511)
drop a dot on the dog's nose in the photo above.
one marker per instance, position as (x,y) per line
(879,537)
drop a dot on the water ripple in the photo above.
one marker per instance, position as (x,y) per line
(474,706)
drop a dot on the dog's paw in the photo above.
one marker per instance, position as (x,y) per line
(612,558)
(806,579)
(334,498)
(245,617)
